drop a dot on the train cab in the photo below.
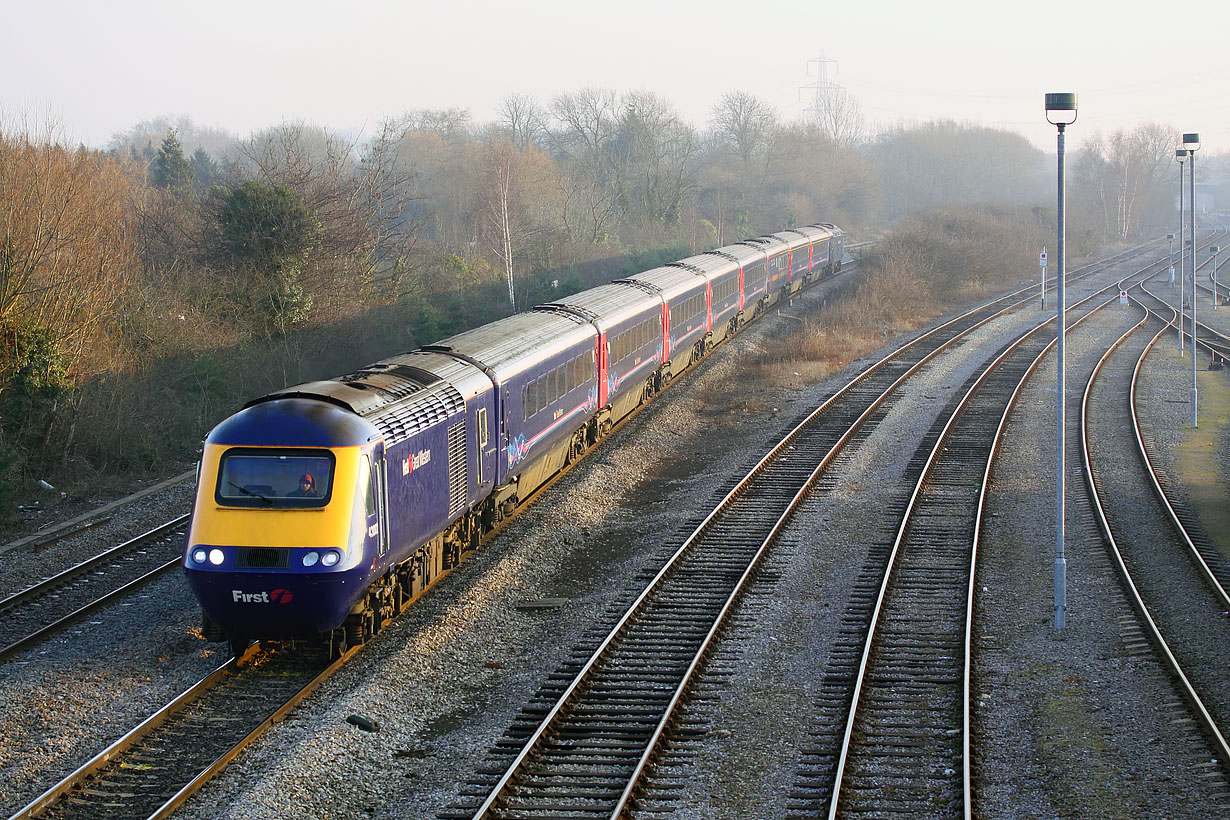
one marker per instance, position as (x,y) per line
(284,510)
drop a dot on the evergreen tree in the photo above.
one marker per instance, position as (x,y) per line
(170,168)
(206,170)
(266,232)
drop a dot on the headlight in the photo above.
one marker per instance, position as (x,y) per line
(330,558)
(310,559)
(216,557)
(199,555)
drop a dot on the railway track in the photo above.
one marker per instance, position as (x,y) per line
(1218,344)
(41,610)
(573,751)
(893,734)
(1155,555)
(1211,563)
(78,786)
(152,769)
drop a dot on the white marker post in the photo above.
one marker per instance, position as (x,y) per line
(1042,263)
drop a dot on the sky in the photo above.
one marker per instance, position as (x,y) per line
(99,67)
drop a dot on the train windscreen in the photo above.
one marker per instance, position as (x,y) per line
(275,478)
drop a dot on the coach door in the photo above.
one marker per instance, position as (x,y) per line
(377,501)
(601,362)
(482,442)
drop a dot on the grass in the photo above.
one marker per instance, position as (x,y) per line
(1196,460)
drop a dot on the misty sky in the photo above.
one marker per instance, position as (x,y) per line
(99,67)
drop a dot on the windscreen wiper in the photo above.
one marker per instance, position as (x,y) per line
(253,493)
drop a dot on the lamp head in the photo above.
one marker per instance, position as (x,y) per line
(1181,155)
(1191,142)
(1061,109)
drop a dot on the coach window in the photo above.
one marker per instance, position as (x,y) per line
(482,427)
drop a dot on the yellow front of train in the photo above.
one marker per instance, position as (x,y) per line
(281,540)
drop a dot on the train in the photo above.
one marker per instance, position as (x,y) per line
(323,509)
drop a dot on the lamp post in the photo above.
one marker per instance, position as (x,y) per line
(1060,112)
(1192,143)
(1180,154)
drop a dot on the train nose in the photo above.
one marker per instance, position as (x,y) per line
(275,604)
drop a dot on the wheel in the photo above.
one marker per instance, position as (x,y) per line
(337,643)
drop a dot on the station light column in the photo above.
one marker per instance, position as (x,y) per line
(1060,112)
(1192,143)
(1180,154)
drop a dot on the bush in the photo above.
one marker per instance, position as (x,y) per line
(933,262)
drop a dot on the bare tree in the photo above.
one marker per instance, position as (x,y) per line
(516,203)
(587,118)
(839,114)
(454,124)
(65,240)
(501,163)
(1126,174)
(360,195)
(586,123)
(655,153)
(523,120)
(743,123)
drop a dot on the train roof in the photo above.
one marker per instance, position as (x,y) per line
(742,253)
(608,304)
(801,236)
(670,280)
(770,244)
(832,229)
(512,344)
(293,422)
(709,263)
(397,396)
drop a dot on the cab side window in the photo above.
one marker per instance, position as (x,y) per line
(369,488)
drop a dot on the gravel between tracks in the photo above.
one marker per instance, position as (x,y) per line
(446,679)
